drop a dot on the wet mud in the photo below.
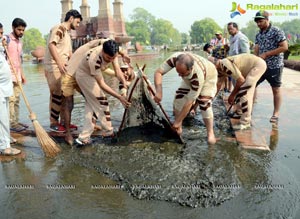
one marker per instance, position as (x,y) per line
(148,165)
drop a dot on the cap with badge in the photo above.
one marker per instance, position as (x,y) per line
(261,15)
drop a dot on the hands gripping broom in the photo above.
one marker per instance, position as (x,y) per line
(50,148)
(129,98)
(140,72)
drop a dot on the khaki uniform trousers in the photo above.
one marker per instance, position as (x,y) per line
(53,77)
(69,85)
(245,94)
(208,90)
(96,103)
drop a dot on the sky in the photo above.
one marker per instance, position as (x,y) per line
(43,14)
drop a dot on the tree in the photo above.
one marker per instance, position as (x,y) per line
(203,31)
(139,30)
(164,33)
(184,38)
(141,26)
(147,29)
(32,38)
(46,37)
(292,30)
(140,14)
(250,30)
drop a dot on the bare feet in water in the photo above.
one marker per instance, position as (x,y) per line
(211,140)
(69,139)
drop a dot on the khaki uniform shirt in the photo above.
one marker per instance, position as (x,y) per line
(61,37)
(76,58)
(93,62)
(194,79)
(237,65)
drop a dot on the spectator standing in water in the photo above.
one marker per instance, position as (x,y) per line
(15,53)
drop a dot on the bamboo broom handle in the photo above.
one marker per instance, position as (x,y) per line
(153,93)
(161,108)
(20,84)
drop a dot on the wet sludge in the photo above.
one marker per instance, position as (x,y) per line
(149,165)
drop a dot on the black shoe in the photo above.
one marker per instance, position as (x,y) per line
(17,128)
(83,142)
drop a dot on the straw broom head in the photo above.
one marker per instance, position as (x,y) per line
(49,146)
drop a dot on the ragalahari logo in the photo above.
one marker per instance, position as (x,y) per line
(236,10)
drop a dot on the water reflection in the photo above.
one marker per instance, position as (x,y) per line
(274,136)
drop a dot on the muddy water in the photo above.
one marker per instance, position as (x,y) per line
(144,177)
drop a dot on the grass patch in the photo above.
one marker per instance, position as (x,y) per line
(296,58)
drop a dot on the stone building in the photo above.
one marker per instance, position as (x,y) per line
(105,24)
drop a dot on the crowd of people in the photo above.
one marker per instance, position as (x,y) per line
(248,71)
(228,64)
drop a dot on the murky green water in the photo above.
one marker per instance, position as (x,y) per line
(142,177)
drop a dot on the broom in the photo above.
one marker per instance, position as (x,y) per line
(129,98)
(49,146)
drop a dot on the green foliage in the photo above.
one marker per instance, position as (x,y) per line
(294,49)
(164,33)
(291,27)
(288,27)
(32,38)
(184,38)
(46,37)
(140,14)
(203,31)
(250,30)
(147,29)
(296,58)
(139,30)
